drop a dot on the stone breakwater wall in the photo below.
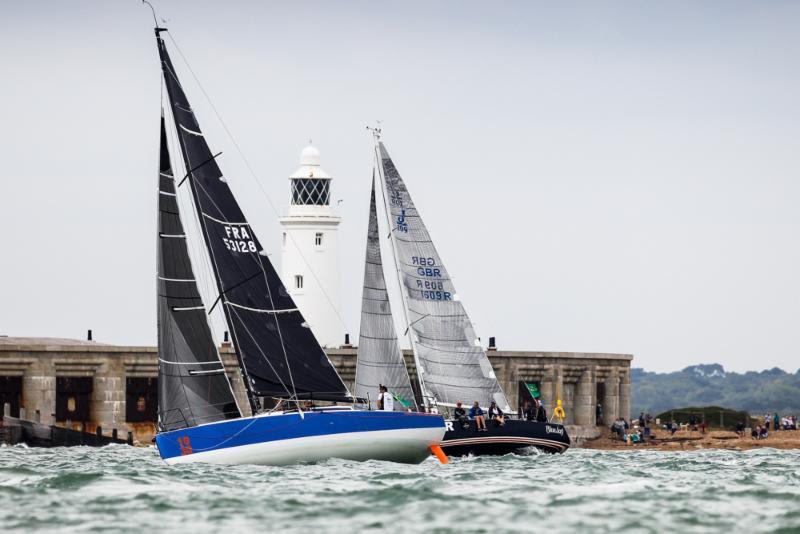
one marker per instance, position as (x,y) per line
(70,382)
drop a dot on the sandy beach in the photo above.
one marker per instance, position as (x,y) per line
(686,440)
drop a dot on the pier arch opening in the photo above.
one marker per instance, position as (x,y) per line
(11,393)
(141,399)
(73,398)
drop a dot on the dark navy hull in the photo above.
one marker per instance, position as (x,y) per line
(514,436)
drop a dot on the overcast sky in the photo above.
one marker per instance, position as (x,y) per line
(611,178)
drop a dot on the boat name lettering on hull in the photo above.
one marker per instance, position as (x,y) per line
(185,444)
(554,430)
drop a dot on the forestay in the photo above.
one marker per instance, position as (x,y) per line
(379,358)
(451,363)
(193,388)
(277,351)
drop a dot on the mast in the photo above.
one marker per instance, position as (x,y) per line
(376,133)
(269,334)
(193,388)
(450,361)
(379,360)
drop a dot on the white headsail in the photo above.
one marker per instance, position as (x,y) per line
(451,364)
(380,361)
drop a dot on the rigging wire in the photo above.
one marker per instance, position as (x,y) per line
(258,182)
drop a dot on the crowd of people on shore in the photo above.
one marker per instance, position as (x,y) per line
(775,421)
(780,423)
(637,431)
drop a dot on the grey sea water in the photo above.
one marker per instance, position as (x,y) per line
(124,489)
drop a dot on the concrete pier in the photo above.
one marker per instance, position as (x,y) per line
(90,383)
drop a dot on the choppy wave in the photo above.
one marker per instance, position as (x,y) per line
(125,489)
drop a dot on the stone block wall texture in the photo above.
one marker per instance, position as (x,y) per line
(572,377)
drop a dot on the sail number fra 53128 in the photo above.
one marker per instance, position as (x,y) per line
(238,239)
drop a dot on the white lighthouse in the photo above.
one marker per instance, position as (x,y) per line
(309,260)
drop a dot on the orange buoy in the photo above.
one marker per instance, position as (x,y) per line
(439,453)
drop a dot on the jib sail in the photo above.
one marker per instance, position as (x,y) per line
(193,388)
(380,361)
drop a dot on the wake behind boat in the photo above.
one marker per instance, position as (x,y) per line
(199,419)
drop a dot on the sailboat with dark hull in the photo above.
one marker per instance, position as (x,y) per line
(451,364)
(278,356)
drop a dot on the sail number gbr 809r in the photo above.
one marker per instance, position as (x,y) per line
(430,289)
(238,239)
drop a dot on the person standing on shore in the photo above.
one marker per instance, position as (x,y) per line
(776,421)
(766,420)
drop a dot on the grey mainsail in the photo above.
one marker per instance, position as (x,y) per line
(451,364)
(379,358)
(192,386)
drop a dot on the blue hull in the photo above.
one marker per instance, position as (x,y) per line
(288,438)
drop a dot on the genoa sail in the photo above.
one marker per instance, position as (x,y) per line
(193,388)
(277,351)
(379,361)
(451,364)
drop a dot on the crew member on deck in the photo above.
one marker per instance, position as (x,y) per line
(460,415)
(541,413)
(385,400)
(476,413)
(496,414)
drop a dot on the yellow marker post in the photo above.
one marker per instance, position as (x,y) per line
(559,411)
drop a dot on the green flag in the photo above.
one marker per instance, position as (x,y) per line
(400,400)
(534,389)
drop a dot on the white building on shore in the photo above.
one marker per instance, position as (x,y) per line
(309,252)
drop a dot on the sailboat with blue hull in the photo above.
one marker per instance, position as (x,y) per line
(279,360)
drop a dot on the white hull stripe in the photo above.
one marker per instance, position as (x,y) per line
(208,372)
(165,175)
(189,308)
(259,310)
(167,194)
(207,216)
(176,279)
(522,441)
(175,236)
(189,363)
(187,130)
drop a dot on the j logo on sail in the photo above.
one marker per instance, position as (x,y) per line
(401,222)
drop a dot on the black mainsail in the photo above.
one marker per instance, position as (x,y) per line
(451,364)
(193,388)
(379,358)
(277,351)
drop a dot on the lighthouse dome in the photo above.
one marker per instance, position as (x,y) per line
(309,156)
